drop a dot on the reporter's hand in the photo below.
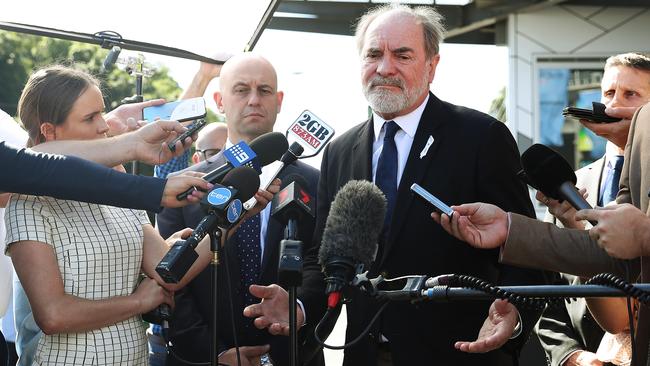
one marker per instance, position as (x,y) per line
(263,198)
(622,230)
(496,330)
(481,225)
(616,132)
(273,311)
(249,355)
(150,142)
(563,211)
(150,294)
(180,183)
(179,235)
(128,117)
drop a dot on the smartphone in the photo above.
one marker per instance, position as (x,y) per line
(191,129)
(433,200)
(180,110)
(596,115)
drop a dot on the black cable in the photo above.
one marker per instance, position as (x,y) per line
(610,280)
(232,306)
(353,342)
(630,314)
(513,298)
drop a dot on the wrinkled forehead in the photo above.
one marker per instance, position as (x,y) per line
(394,30)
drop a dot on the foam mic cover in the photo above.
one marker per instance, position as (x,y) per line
(547,170)
(351,231)
(269,147)
(550,173)
(245,179)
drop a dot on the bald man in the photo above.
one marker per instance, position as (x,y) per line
(210,141)
(250,100)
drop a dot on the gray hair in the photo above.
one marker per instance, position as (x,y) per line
(430,19)
(634,60)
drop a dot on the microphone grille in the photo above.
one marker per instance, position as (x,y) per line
(354,223)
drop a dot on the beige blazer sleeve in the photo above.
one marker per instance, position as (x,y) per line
(536,244)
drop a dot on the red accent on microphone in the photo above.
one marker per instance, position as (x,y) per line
(304,197)
(333,299)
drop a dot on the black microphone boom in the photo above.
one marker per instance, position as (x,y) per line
(550,173)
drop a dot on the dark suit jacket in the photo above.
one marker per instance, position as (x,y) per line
(473,158)
(541,245)
(71,178)
(189,328)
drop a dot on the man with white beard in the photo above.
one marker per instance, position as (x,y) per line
(457,154)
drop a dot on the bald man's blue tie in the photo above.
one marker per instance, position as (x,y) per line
(386,176)
(249,253)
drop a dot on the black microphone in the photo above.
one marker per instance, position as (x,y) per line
(290,156)
(224,209)
(349,242)
(266,149)
(292,206)
(548,172)
(351,233)
(111,58)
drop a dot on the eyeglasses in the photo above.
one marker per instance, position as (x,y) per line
(208,153)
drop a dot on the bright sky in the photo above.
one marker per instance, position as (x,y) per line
(318,72)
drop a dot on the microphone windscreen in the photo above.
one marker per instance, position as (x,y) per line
(269,147)
(354,223)
(244,179)
(546,169)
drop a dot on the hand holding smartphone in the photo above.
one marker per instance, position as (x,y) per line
(596,115)
(438,205)
(191,130)
(180,110)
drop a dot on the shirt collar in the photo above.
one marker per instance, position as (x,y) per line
(408,122)
(611,152)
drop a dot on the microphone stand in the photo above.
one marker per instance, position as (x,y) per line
(215,245)
(290,276)
(136,66)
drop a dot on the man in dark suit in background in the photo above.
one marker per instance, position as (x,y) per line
(250,100)
(569,334)
(456,153)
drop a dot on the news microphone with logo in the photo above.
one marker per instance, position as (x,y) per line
(550,173)
(310,132)
(292,206)
(262,151)
(224,209)
(351,233)
(290,156)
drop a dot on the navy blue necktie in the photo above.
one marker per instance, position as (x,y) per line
(249,253)
(386,175)
(610,186)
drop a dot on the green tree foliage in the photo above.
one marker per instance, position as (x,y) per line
(21,54)
(498,106)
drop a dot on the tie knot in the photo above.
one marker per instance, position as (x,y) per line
(391,128)
(618,163)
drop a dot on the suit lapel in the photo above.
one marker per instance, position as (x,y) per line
(362,153)
(591,180)
(416,166)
